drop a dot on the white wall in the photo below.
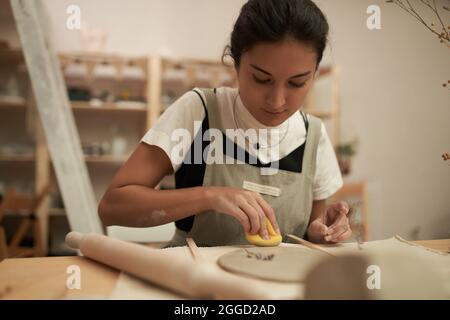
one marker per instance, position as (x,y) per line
(193,28)
(392,98)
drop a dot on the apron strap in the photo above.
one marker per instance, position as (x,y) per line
(211,105)
(312,141)
(312,123)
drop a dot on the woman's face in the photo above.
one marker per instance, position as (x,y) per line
(274,79)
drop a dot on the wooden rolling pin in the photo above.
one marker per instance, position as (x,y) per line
(181,274)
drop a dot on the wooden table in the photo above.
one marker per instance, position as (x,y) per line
(45,278)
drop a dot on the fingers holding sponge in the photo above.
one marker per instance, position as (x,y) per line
(274,238)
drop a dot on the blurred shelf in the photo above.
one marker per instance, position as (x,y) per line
(88,158)
(106,159)
(17,158)
(11,56)
(57,212)
(93,60)
(18,103)
(82,105)
(12,103)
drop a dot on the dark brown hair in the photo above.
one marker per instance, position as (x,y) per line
(272,21)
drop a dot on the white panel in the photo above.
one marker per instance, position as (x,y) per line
(56,116)
(153,234)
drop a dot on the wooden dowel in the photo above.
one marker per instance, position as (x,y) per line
(195,251)
(310,244)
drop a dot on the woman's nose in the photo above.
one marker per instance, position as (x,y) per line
(276,99)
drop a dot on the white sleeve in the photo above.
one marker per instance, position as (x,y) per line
(184,115)
(328,178)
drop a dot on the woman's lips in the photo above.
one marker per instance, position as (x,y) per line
(274,113)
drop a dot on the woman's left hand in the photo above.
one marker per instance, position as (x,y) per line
(332,226)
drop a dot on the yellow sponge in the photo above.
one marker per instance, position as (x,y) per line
(274,238)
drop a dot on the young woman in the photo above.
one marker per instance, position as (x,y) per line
(276,46)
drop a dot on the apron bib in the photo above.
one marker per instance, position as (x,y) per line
(288,193)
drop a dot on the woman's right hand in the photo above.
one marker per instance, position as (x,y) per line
(248,207)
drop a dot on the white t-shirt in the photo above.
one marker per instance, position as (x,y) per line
(188,109)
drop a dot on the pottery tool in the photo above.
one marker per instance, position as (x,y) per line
(309,244)
(196,254)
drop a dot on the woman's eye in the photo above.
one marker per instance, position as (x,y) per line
(297,85)
(262,81)
(266,81)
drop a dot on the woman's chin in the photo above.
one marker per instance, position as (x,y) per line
(273,121)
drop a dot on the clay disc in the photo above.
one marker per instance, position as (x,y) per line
(285,264)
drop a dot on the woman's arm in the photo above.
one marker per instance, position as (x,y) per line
(131,199)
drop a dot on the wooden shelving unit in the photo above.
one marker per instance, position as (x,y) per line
(94,122)
(123,110)
(20,127)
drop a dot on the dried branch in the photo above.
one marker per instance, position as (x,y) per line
(446,157)
(444,36)
(434,9)
(410,9)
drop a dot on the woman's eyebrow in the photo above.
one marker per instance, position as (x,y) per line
(268,73)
